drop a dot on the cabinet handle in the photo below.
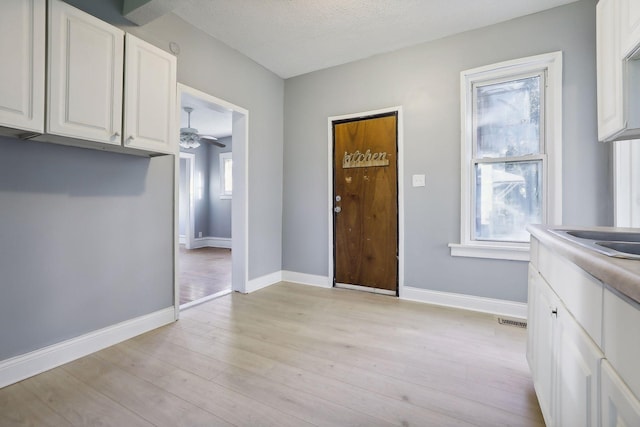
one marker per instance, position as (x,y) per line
(554,311)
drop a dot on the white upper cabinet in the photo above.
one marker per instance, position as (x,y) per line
(617,38)
(85,76)
(630,26)
(609,71)
(22,74)
(150,97)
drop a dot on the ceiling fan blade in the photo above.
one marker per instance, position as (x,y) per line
(213,140)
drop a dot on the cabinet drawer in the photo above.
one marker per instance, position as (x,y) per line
(621,338)
(580,292)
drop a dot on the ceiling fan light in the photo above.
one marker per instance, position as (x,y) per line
(189,137)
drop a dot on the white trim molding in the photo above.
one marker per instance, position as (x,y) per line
(211,242)
(307,279)
(263,281)
(467,302)
(27,365)
(548,65)
(240,203)
(513,253)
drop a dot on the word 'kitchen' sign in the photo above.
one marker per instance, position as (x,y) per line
(364,160)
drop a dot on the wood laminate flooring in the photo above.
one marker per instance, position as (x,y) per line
(294,355)
(203,272)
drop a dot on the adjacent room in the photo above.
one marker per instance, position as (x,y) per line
(340,213)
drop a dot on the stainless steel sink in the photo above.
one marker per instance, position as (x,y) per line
(624,247)
(618,244)
(605,236)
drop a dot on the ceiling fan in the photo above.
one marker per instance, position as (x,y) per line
(190,138)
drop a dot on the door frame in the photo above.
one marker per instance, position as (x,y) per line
(189,224)
(239,201)
(330,204)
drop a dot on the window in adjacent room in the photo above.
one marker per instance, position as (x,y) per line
(511,155)
(226,175)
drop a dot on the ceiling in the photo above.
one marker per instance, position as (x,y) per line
(293,37)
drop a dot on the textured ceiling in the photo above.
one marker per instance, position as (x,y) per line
(293,37)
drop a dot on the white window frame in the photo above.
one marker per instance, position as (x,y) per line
(223,158)
(551,64)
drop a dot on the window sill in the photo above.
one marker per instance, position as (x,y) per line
(491,251)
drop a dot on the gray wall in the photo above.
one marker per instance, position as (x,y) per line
(219,209)
(86,237)
(212,67)
(424,80)
(85,241)
(208,65)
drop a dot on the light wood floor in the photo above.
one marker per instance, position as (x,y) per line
(293,355)
(203,272)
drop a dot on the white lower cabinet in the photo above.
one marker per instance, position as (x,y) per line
(584,374)
(619,406)
(577,380)
(564,360)
(542,304)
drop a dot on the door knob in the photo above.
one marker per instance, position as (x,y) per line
(337,209)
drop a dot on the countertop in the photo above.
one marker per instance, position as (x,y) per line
(620,274)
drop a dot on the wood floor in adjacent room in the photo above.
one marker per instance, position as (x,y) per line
(293,355)
(203,272)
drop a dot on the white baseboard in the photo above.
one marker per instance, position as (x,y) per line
(212,242)
(27,365)
(498,307)
(306,279)
(263,281)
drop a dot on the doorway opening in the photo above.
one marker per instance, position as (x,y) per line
(366,227)
(211,199)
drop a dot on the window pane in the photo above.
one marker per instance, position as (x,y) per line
(228,176)
(508,118)
(508,198)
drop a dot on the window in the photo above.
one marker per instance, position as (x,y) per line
(226,175)
(511,155)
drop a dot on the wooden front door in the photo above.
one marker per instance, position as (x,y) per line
(365,195)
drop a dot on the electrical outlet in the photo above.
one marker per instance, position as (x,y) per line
(419,181)
(199,233)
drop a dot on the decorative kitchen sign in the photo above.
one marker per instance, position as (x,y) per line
(364,160)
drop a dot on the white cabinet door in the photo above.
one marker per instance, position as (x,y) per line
(541,359)
(630,26)
(611,118)
(619,407)
(22,49)
(577,374)
(621,339)
(150,97)
(85,76)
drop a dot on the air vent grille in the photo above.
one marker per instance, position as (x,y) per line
(509,322)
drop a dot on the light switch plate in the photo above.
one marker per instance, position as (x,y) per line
(419,181)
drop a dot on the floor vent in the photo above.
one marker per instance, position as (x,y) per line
(516,323)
